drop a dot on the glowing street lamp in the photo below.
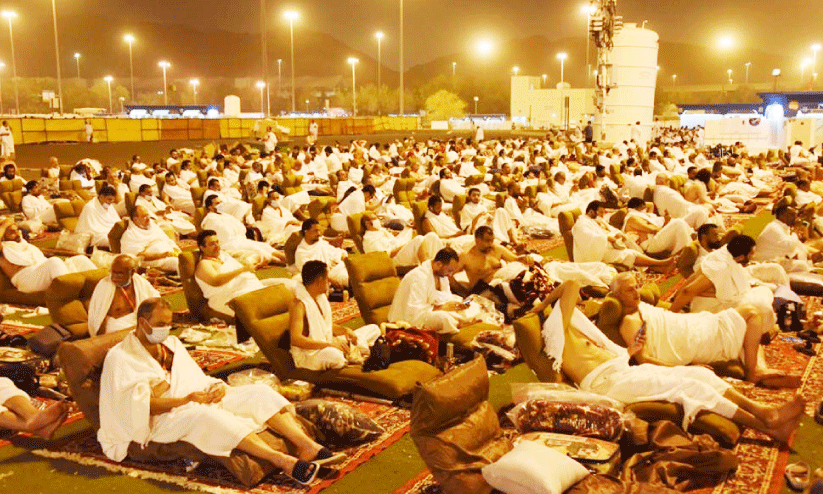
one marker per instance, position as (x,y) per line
(165,65)
(476,99)
(516,70)
(729,72)
(545,79)
(194,83)
(815,48)
(775,74)
(674,80)
(291,15)
(485,47)
(77,60)
(562,57)
(261,85)
(10,15)
(589,10)
(353,61)
(130,40)
(108,80)
(379,35)
(726,43)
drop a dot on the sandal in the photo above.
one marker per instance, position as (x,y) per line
(805,349)
(809,335)
(797,476)
(326,457)
(304,472)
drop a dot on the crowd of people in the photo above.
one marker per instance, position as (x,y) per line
(467,257)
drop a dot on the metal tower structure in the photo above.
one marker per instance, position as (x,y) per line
(604,24)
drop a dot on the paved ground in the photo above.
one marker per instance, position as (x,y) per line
(33,157)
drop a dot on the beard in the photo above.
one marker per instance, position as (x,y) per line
(715,245)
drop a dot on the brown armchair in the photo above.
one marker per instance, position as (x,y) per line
(116,234)
(67,299)
(82,363)
(68,213)
(268,324)
(566,220)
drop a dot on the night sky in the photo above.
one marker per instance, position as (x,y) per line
(440,27)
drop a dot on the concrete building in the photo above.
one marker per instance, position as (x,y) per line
(537,107)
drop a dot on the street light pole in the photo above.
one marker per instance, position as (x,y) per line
(402,64)
(194,83)
(57,56)
(353,61)
(108,80)
(130,39)
(279,75)
(291,15)
(77,59)
(261,85)
(264,53)
(476,99)
(379,36)
(562,57)
(748,64)
(165,65)
(815,48)
(9,15)
(2,66)
(454,75)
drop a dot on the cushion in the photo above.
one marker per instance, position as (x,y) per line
(338,424)
(724,430)
(533,468)
(448,398)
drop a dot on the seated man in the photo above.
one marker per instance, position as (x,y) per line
(436,221)
(178,194)
(317,343)
(163,213)
(484,260)
(779,243)
(667,338)
(17,413)
(221,277)
(99,216)
(424,297)
(277,223)
(146,241)
(26,266)
(232,233)
(232,204)
(598,365)
(116,297)
(597,241)
(670,202)
(708,239)
(655,234)
(315,248)
(355,201)
(36,207)
(475,214)
(151,390)
(404,248)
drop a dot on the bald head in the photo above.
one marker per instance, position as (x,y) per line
(662,179)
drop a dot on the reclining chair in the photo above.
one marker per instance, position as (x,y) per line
(268,324)
(197,303)
(68,297)
(68,213)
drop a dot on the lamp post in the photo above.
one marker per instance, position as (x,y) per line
(130,40)
(279,75)
(57,56)
(545,79)
(815,48)
(264,53)
(402,64)
(9,15)
(775,74)
(562,57)
(108,80)
(476,99)
(307,107)
(748,65)
(165,65)
(516,70)
(379,35)
(194,83)
(674,80)
(77,60)
(353,61)
(589,10)
(805,63)
(729,72)
(291,16)
(261,85)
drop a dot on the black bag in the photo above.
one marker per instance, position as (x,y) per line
(46,341)
(254,233)
(22,376)
(789,314)
(380,357)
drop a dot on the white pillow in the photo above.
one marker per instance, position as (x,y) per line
(533,468)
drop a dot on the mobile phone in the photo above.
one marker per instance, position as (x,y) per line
(640,333)
(467,300)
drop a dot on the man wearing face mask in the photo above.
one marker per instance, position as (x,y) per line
(27,267)
(99,216)
(116,297)
(153,391)
(277,223)
(145,240)
(232,233)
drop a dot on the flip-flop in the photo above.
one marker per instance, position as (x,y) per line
(304,472)
(809,335)
(805,349)
(797,476)
(325,457)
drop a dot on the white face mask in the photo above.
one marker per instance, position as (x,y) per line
(106,205)
(220,208)
(158,334)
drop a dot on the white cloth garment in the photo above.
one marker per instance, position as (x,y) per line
(320,328)
(382,240)
(152,241)
(36,207)
(777,243)
(6,142)
(8,391)
(180,198)
(329,254)
(219,296)
(98,220)
(101,300)
(130,373)
(179,221)
(232,236)
(38,271)
(274,225)
(672,237)
(591,244)
(667,200)
(416,297)
(445,228)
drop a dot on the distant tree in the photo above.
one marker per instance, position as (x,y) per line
(444,105)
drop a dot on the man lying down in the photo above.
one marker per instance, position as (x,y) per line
(598,365)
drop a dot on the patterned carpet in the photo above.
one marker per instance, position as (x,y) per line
(212,478)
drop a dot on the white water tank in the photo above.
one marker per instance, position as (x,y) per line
(634,73)
(231,106)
